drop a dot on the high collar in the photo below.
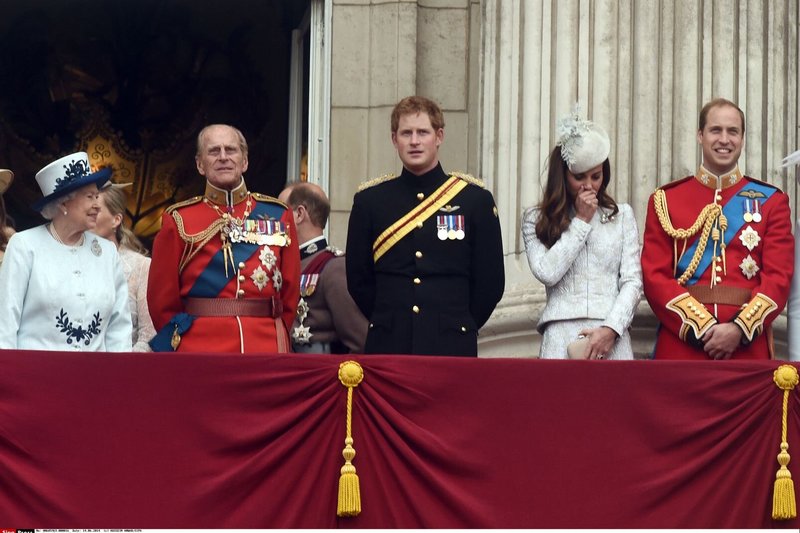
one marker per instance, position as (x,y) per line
(712,181)
(313,246)
(223,197)
(434,177)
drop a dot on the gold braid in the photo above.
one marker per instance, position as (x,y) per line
(706,219)
(194,243)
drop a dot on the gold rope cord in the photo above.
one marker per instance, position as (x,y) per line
(784,506)
(706,219)
(349,502)
(194,242)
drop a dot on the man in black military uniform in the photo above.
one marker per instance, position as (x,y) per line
(424,249)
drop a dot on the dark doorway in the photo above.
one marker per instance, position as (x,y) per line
(132,82)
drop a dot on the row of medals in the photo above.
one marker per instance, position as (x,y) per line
(260,232)
(753,215)
(450,227)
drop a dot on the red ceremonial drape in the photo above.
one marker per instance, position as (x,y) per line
(206,441)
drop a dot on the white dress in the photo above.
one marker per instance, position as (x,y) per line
(592,276)
(64,298)
(136,267)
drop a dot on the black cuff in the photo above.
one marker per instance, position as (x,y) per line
(692,340)
(745,341)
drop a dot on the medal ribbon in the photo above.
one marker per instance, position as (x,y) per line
(405,224)
(734,211)
(212,279)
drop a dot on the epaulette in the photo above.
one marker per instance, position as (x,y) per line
(191,201)
(765,183)
(469,179)
(335,251)
(674,183)
(376,181)
(257,196)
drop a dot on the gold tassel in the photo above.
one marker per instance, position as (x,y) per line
(784,506)
(349,504)
(723,223)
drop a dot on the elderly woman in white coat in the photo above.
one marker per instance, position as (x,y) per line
(63,287)
(584,248)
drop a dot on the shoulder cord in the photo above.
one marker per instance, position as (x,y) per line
(195,242)
(708,216)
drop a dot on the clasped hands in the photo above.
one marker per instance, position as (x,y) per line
(721,340)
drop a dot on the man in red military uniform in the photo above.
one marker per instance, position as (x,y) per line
(225,270)
(718,251)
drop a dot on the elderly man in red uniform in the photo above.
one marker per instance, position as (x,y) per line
(718,251)
(225,270)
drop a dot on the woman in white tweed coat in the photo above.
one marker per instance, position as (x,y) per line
(584,248)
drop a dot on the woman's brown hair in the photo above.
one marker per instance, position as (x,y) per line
(115,200)
(555,207)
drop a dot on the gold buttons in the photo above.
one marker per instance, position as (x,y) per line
(417,281)
(240,292)
(415,309)
(463,329)
(418,254)
(241,278)
(420,196)
(419,225)
(241,265)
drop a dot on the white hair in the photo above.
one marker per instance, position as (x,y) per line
(52,208)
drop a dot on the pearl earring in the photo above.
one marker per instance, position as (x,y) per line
(65,212)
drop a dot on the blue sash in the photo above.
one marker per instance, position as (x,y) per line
(734,212)
(212,279)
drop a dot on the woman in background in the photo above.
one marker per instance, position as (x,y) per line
(63,287)
(135,263)
(584,248)
(6,231)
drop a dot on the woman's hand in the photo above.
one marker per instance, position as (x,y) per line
(586,203)
(601,340)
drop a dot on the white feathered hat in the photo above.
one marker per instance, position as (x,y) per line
(584,144)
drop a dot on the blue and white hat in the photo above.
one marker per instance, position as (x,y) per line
(67,174)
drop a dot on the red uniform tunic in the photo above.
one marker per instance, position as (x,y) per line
(189,263)
(748,285)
